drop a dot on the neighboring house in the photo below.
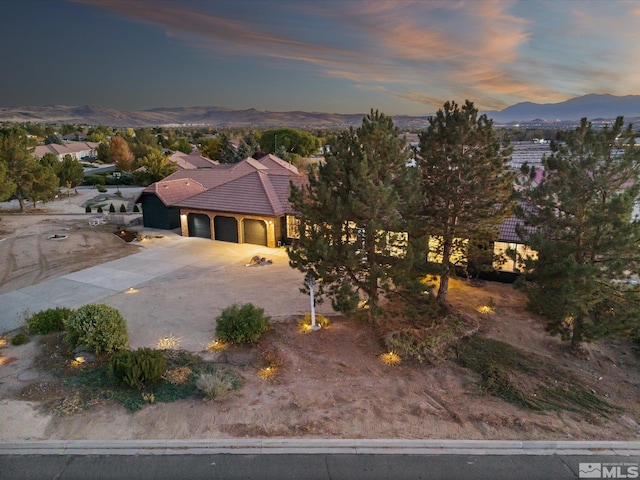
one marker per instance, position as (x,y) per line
(509,249)
(245,202)
(77,150)
(191,161)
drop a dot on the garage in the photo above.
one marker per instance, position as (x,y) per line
(255,232)
(199,225)
(226,229)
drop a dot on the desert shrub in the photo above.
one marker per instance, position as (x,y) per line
(214,385)
(50,320)
(123,209)
(136,209)
(99,209)
(241,324)
(137,368)
(101,188)
(19,339)
(99,327)
(88,209)
(112,209)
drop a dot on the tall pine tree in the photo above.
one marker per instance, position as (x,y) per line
(466,185)
(350,212)
(587,242)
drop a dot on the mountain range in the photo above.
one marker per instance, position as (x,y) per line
(594,107)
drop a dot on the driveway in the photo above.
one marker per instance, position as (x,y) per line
(175,289)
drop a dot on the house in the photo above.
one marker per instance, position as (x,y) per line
(191,161)
(77,150)
(509,249)
(245,202)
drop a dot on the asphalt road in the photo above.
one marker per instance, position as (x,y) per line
(304,466)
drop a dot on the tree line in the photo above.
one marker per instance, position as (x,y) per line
(373,197)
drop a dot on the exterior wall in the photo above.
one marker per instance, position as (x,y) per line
(156,214)
(271,222)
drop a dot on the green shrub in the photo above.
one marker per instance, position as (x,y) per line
(51,320)
(138,368)
(19,339)
(214,385)
(123,209)
(241,324)
(112,209)
(99,327)
(88,209)
(136,209)
(94,179)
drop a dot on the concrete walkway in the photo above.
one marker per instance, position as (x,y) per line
(174,290)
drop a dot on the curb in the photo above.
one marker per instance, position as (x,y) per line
(318,446)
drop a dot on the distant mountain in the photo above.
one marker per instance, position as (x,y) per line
(590,106)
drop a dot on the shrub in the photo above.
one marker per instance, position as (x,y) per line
(51,320)
(136,209)
(101,188)
(99,327)
(241,324)
(112,209)
(137,368)
(88,209)
(99,209)
(19,339)
(123,209)
(214,385)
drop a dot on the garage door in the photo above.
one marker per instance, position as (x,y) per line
(255,231)
(226,229)
(199,225)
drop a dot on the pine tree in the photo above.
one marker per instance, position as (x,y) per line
(466,186)
(585,236)
(22,170)
(349,212)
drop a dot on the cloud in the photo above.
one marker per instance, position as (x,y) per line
(418,51)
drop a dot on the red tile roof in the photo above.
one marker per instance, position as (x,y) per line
(257,187)
(172,191)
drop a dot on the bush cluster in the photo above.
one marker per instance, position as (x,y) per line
(19,339)
(98,327)
(138,368)
(45,321)
(241,324)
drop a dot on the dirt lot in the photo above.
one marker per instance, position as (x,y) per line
(331,383)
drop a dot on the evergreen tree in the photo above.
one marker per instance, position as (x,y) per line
(349,212)
(22,169)
(586,239)
(226,151)
(70,172)
(465,183)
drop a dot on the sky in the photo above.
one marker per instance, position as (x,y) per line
(338,56)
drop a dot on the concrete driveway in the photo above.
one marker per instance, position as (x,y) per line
(175,289)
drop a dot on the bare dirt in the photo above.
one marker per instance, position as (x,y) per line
(331,382)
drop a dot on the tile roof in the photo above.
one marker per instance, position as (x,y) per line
(66,148)
(191,161)
(258,187)
(172,191)
(508,231)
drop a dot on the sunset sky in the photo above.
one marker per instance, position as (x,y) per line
(343,56)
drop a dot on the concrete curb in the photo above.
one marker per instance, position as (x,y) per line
(318,446)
